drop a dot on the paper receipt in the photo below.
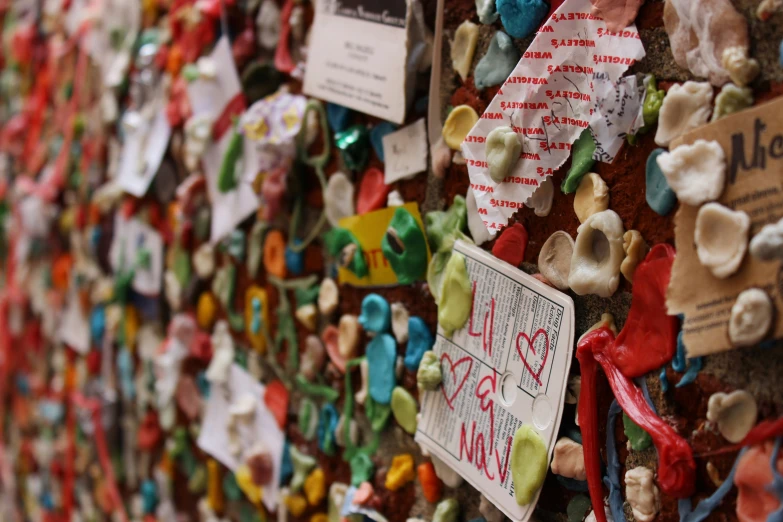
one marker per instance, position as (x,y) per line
(548,100)
(507,366)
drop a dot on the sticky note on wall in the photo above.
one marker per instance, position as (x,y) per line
(369,229)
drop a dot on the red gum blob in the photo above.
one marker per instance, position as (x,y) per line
(273,188)
(363,494)
(276,399)
(649,338)
(372,191)
(283,61)
(618,14)
(329,338)
(149,434)
(754,474)
(676,468)
(511,245)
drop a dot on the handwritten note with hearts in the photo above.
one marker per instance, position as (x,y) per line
(514,350)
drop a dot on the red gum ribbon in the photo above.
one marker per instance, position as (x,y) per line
(53,186)
(283,61)
(234,107)
(761,432)
(676,467)
(649,337)
(647,341)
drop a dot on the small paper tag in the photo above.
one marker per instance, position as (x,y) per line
(508,366)
(618,112)
(369,230)
(74,326)
(405,152)
(215,440)
(216,98)
(142,153)
(130,237)
(357,56)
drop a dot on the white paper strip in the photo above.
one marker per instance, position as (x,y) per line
(548,99)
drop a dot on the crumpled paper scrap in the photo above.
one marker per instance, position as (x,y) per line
(548,99)
(617,113)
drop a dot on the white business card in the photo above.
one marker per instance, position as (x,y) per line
(357,56)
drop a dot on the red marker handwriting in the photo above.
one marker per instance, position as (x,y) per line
(453,369)
(530,344)
(477,447)
(490,314)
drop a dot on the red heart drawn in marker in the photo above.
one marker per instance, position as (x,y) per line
(530,343)
(453,369)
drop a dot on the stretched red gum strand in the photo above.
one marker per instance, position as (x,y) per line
(676,467)
(283,61)
(648,325)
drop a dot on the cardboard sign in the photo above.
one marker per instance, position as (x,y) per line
(357,56)
(369,229)
(753,143)
(508,366)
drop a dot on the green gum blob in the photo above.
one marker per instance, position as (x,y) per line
(308,418)
(653,99)
(377,414)
(231,488)
(227,176)
(731,99)
(503,148)
(405,409)
(439,260)
(578,507)
(446,511)
(528,464)
(190,72)
(197,483)
(581,162)
(405,247)
(354,146)
(652,104)
(639,439)
(361,468)
(441,224)
(234,245)
(303,465)
(341,243)
(455,295)
(181,265)
(429,376)
(306,296)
